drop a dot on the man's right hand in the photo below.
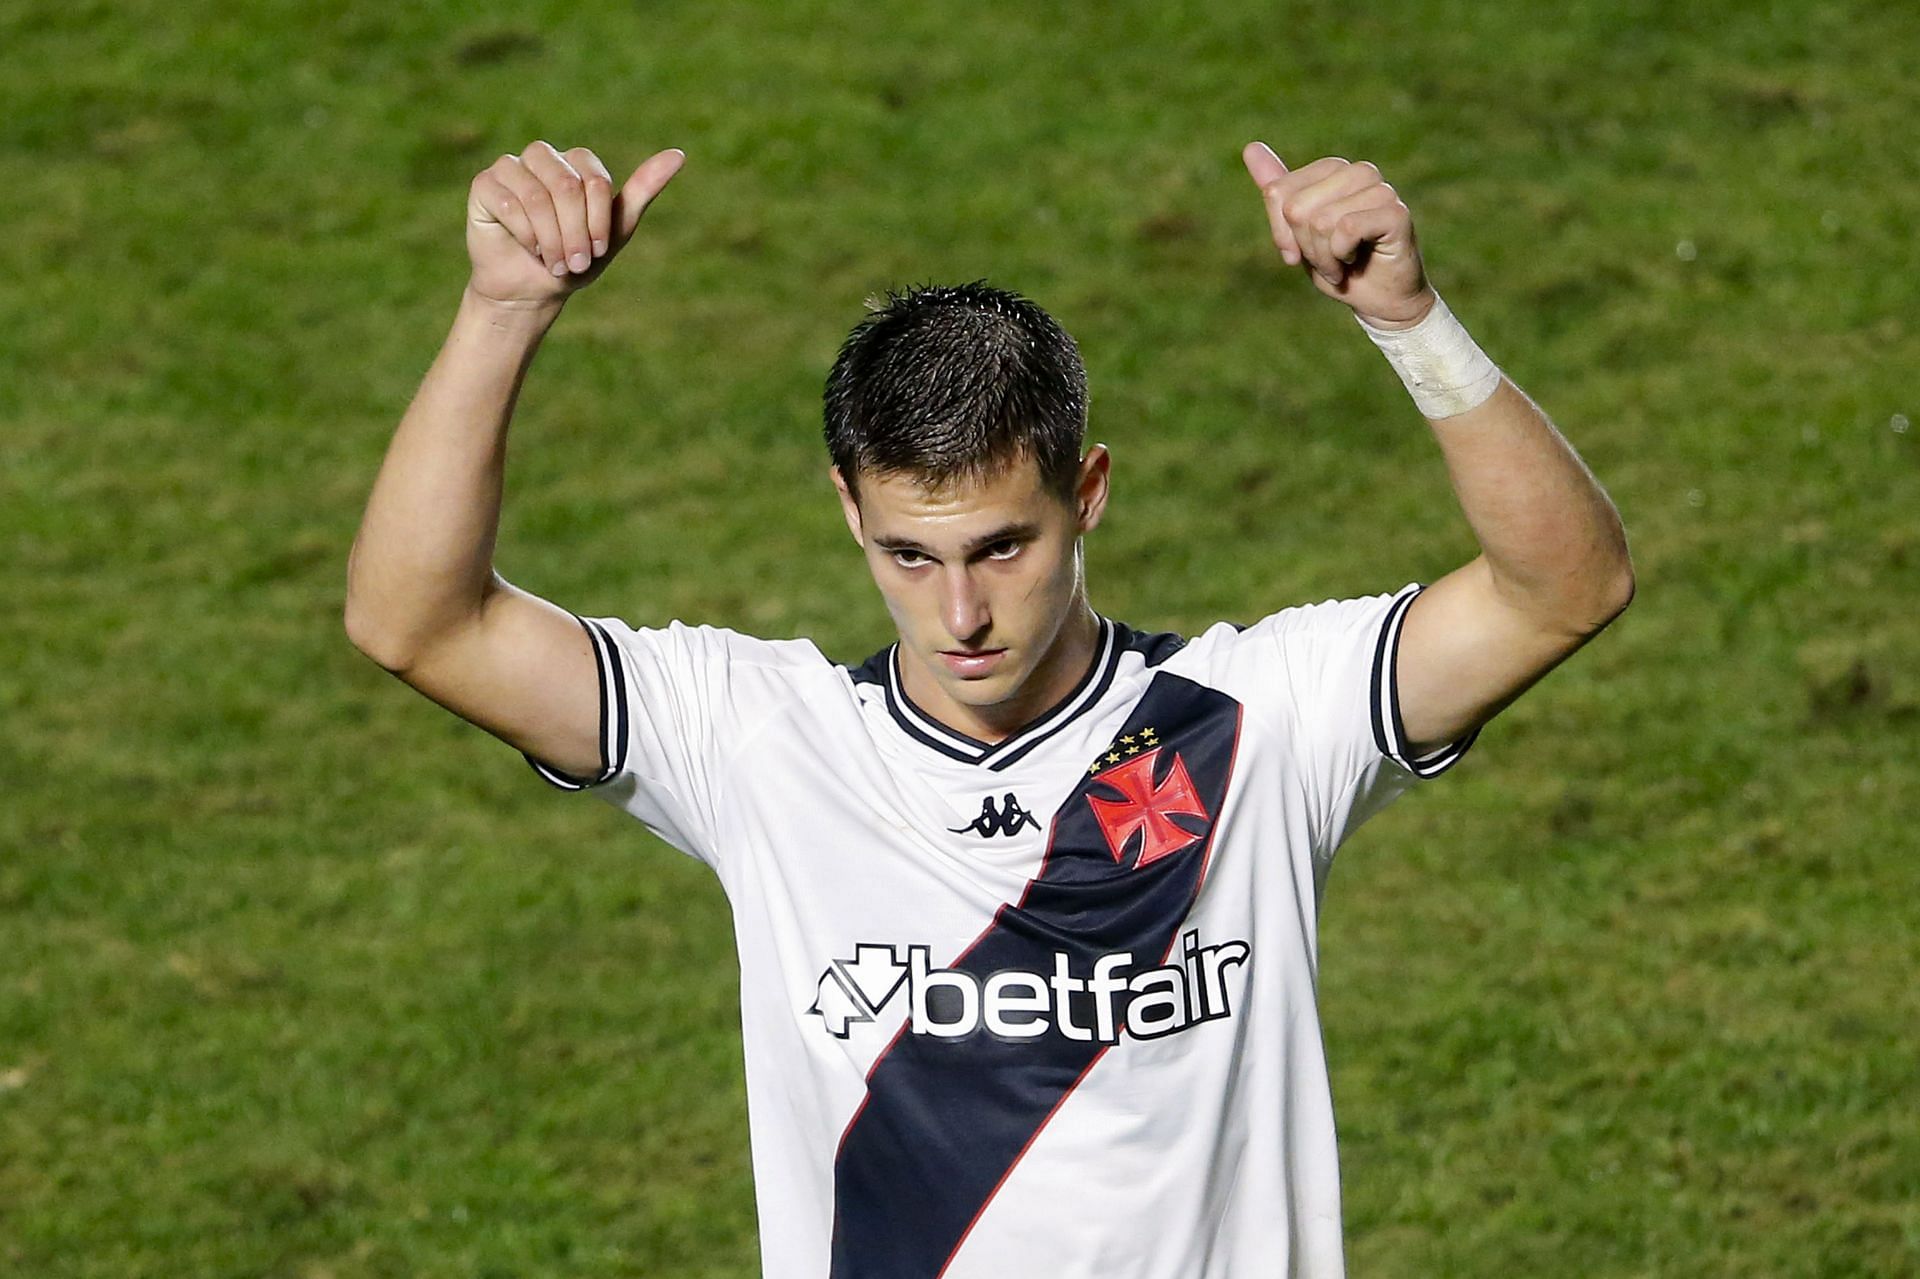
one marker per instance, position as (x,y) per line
(543,223)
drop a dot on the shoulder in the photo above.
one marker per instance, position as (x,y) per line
(1338,622)
(713,644)
(712,667)
(1295,654)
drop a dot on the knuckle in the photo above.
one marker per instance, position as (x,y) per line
(597,182)
(1324,222)
(1290,208)
(567,186)
(1369,166)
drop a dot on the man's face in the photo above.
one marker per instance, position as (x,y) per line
(980,577)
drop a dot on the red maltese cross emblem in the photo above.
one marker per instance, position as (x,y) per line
(1147,808)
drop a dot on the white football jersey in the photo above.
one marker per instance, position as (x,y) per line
(1042,1007)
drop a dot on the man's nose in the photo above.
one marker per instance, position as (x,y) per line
(965,605)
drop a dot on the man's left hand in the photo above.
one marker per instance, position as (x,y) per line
(1347,228)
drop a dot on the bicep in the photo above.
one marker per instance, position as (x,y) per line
(524,670)
(1466,652)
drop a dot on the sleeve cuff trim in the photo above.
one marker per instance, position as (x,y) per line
(613,715)
(1389,731)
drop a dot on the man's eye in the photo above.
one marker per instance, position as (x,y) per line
(909,559)
(1003,550)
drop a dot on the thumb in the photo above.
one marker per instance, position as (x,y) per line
(639,190)
(1265,168)
(1262,163)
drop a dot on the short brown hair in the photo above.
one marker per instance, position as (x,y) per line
(957,382)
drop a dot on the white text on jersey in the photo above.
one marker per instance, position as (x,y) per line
(952,1003)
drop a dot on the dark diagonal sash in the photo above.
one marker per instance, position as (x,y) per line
(946,1119)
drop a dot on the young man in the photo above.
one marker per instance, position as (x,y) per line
(1026,903)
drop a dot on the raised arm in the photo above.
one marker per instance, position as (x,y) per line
(423,599)
(1553,567)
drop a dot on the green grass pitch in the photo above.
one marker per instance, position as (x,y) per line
(301,977)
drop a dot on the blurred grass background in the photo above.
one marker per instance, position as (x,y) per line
(301,976)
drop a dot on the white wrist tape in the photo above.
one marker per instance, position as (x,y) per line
(1443,368)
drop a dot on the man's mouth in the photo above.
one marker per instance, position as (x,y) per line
(972,662)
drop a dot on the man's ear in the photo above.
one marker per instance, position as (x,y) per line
(1090,490)
(849,505)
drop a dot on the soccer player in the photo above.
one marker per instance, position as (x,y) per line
(1026,902)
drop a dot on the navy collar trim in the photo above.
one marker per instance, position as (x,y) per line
(952,743)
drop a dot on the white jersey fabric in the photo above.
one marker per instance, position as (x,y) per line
(1043,1007)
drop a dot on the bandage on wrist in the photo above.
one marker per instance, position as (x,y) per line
(1442,367)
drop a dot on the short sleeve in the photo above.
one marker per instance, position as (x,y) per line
(674,702)
(1329,674)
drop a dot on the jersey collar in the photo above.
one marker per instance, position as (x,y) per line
(935,736)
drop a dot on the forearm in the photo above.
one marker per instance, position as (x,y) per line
(422,562)
(1550,536)
(1551,541)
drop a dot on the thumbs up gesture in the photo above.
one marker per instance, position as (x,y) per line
(545,222)
(1344,225)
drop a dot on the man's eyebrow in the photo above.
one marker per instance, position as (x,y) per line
(1008,533)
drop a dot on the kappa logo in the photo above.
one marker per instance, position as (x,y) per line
(1008,819)
(951,1003)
